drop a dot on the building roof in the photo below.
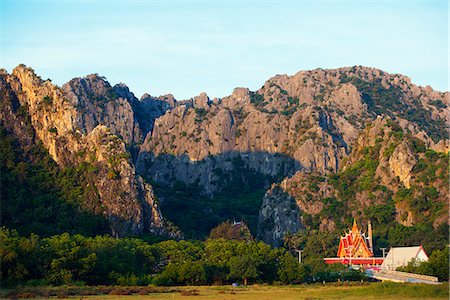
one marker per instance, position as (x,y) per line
(355,244)
(400,256)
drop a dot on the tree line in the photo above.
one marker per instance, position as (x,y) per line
(103,260)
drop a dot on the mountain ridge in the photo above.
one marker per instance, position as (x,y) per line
(309,122)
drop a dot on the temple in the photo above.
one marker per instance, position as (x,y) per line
(356,248)
(355,243)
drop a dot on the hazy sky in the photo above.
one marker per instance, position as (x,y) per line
(186,47)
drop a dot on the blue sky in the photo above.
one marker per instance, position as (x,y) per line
(186,47)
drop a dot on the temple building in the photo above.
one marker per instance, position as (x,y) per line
(401,256)
(355,243)
(356,248)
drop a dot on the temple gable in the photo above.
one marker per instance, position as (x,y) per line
(355,243)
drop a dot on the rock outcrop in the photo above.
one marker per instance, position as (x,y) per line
(73,137)
(101,104)
(303,136)
(279,215)
(401,162)
(386,170)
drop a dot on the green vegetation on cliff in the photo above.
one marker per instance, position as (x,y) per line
(366,188)
(38,197)
(381,100)
(239,200)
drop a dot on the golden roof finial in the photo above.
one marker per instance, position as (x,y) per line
(355,227)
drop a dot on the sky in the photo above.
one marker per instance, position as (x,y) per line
(186,47)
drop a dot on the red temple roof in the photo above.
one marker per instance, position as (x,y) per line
(355,243)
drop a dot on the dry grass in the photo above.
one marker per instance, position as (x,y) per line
(258,292)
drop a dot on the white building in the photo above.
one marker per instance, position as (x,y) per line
(401,256)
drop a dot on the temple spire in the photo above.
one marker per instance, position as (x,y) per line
(355,227)
(355,243)
(369,233)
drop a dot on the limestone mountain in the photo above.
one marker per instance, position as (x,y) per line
(305,122)
(70,125)
(390,176)
(207,160)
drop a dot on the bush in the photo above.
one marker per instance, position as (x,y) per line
(47,100)
(128,279)
(437,265)
(190,293)
(53,130)
(290,271)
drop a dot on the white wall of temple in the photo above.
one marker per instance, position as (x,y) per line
(422,255)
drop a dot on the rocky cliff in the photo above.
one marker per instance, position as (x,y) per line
(326,144)
(390,175)
(305,122)
(70,124)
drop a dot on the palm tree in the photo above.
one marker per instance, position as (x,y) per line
(289,240)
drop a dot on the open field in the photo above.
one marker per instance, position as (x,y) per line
(259,292)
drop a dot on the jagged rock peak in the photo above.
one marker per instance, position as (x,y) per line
(71,126)
(201,101)
(123,91)
(91,87)
(167,98)
(145,96)
(240,92)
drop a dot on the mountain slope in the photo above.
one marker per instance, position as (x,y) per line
(390,177)
(326,145)
(308,123)
(59,123)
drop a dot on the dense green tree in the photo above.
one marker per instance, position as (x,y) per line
(437,265)
(69,259)
(66,258)
(117,257)
(17,256)
(180,252)
(168,276)
(421,234)
(192,273)
(243,267)
(289,240)
(240,199)
(291,271)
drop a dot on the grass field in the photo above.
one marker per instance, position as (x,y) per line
(258,292)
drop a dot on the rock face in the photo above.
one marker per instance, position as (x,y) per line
(302,134)
(348,99)
(188,143)
(279,214)
(73,137)
(385,171)
(284,205)
(306,122)
(401,162)
(149,108)
(101,104)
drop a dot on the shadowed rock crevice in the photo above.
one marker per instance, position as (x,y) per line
(215,171)
(279,214)
(219,187)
